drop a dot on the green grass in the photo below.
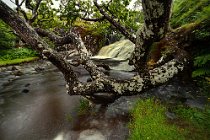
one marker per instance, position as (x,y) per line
(16,56)
(16,61)
(83,106)
(149,122)
(16,53)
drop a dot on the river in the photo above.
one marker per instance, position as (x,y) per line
(36,106)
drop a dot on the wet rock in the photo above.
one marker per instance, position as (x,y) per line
(121,106)
(39,69)
(15,68)
(2,69)
(27,85)
(1,101)
(91,134)
(197,103)
(174,91)
(170,115)
(18,73)
(25,91)
(103,98)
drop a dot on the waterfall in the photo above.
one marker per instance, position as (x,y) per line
(116,55)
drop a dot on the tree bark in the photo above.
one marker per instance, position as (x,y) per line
(156,23)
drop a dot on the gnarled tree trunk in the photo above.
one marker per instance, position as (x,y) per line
(156,15)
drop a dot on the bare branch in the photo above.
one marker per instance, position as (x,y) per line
(24,14)
(19,9)
(28,4)
(13,1)
(34,11)
(58,41)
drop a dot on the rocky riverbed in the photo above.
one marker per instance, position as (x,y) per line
(34,105)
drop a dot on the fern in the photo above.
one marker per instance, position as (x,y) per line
(201,72)
(187,11)
(202,63)
(202,60)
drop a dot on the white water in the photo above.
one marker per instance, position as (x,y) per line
(117,52)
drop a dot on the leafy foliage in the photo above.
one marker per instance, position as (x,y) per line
(7,38)
(187,11)
(83,106)
(203,64)
(85,9)
(47,16)
(16,53)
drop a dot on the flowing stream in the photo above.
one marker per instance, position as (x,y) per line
(35,106)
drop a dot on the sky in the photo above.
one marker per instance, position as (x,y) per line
(12,5)
(56,3)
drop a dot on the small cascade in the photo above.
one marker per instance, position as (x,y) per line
(116,55)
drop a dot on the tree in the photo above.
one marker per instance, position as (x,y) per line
(159,52)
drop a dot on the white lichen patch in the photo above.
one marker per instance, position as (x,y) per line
(67,86)
(99,84)
(117,87)
(161,31)
(165,72)
(158,8)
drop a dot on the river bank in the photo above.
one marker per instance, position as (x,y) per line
(15,56)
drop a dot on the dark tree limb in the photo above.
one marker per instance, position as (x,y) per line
(35,11)
(29,5)
(19,9)
(58,41)
(115,23)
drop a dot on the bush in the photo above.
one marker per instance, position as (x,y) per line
(7,38)
(16,53)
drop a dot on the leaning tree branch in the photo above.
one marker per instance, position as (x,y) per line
(115,23)
(101,82)
(135,85)
(56,39)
